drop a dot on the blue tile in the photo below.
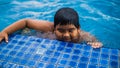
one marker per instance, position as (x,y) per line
(41,65)
(35,45)
(8,58)
(56,54)
(93,61)
(38,40)
(54,42)
(53,60)
(31,50)
(72,63)
(11,65)
(28,44)
(62,43)
(14,41)
(1,57)
(27,56)
(92,66)
(45,58)
(12,53)
(19,66)
(75,57)
(96,49)
(103,62)
(3,64)
(87,48)
(67,50)
(43,46)
(19,54)
(78,46)
(21,43)
(31,63)
(52,47)
(10,46)
(17,47)
(103,67)
(82,65)
(11,36)
(23,62)
(60,48)
(49,52)
(70,45)
(104,56)
(84,59)
(95,55)
(113,57)
(15,60)
(66,56)
(114,52)
(46,41)
(31,39)
(5,51)
(60,66)
(23,49)
(24,38)
(86,54)
(50,66)
(76,51)
(114,64)
(105,50)
(63,62)
(1,49)
(18,36)
(36,57)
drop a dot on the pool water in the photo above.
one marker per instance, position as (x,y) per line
(99,17)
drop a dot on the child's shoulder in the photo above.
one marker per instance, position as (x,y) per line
(86,36)
(83,33)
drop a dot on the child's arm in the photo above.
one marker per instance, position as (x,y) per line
(44,26)
(91,40)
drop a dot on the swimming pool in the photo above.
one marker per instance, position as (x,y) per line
(99,17)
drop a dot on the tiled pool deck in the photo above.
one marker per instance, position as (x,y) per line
(31,52)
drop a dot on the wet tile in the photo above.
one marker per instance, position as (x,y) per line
(25,52)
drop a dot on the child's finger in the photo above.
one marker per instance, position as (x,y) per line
(0,39)
(6,38)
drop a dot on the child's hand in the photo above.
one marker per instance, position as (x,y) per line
(3,35)
(95,44)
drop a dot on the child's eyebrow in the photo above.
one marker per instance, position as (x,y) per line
(71,28)
(66,28)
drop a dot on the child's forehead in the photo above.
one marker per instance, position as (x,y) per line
(66,25)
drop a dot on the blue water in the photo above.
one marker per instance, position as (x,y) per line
(99,17)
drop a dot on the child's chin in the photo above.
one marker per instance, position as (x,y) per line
(67,40)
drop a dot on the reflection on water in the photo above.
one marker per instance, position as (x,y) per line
(100,18)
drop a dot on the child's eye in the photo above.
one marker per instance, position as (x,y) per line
(60,30)
(71,30)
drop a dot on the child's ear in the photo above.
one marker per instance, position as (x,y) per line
(78,28)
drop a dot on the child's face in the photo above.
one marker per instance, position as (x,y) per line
(68,33)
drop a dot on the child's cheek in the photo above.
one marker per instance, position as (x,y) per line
(58,34)
(74,34)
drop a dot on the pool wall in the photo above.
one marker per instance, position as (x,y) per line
(29,51)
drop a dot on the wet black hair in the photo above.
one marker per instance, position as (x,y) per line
(66,16)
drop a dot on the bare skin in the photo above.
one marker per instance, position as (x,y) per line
(68,33)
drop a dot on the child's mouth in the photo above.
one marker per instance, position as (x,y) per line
(67,40)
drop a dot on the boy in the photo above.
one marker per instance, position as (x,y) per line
(66,27)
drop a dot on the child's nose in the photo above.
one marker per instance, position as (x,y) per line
(66,35)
